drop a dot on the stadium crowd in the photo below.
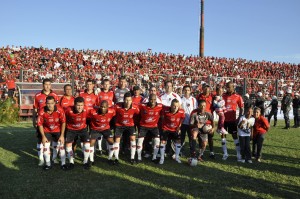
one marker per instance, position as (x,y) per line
(143,68)
(160,84)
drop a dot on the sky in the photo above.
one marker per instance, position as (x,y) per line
(250,29)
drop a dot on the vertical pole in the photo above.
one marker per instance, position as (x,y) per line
(21,75)
(201,40)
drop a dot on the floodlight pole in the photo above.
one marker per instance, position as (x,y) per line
(201,39)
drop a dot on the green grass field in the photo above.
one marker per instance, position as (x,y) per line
(278,176)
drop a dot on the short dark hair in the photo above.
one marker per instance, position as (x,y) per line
(46,80)
(187,86)
(202,101)
(174,101)
(78,100)
(105,80)
(128,94)
(50,97)
(122,78)
(65,86)
(90,80)
(166,82)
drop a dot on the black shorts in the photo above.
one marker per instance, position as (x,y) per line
(82,134)
(143,131)
(231,127)
(52,137)
(172,135)
(119,130)
(96,134)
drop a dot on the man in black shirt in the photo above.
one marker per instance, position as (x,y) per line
(286,107)
(274,110)
(260,103)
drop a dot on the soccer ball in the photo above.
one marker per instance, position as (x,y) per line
(192,162)
(206,128)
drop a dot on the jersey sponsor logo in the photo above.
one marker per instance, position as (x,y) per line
(51,120)
(150,119)
(78,119)
(76,125)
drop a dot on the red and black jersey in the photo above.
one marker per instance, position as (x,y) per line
(40,99)
(101,122)
(125,117)
(89,100)
(64,102)
(171,121)
(75,120)
(232,101)
(150,116)
(108,96)
(209,101)
(137,100)
(51,122)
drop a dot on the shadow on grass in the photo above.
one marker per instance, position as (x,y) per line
(170,180)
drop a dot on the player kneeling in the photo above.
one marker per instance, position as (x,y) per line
(172,120)
(52,124)
(76,127)
(199,123)
(100,126)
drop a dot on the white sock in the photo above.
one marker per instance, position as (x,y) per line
(100,143)
(40,149)
(116,150)
(162,151)
(86,152)
(62,154)
(237,148)
(132,149)
(155,148)
(110,151)
(92,153)
(224,147)
(140,147)
(47,154)
(177,150)
(54,150)
(70,154)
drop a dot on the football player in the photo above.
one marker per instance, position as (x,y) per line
(51,124)
(149,114)
(39,103)
(125,114)
(172,118)
(199,118)
(76,117)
